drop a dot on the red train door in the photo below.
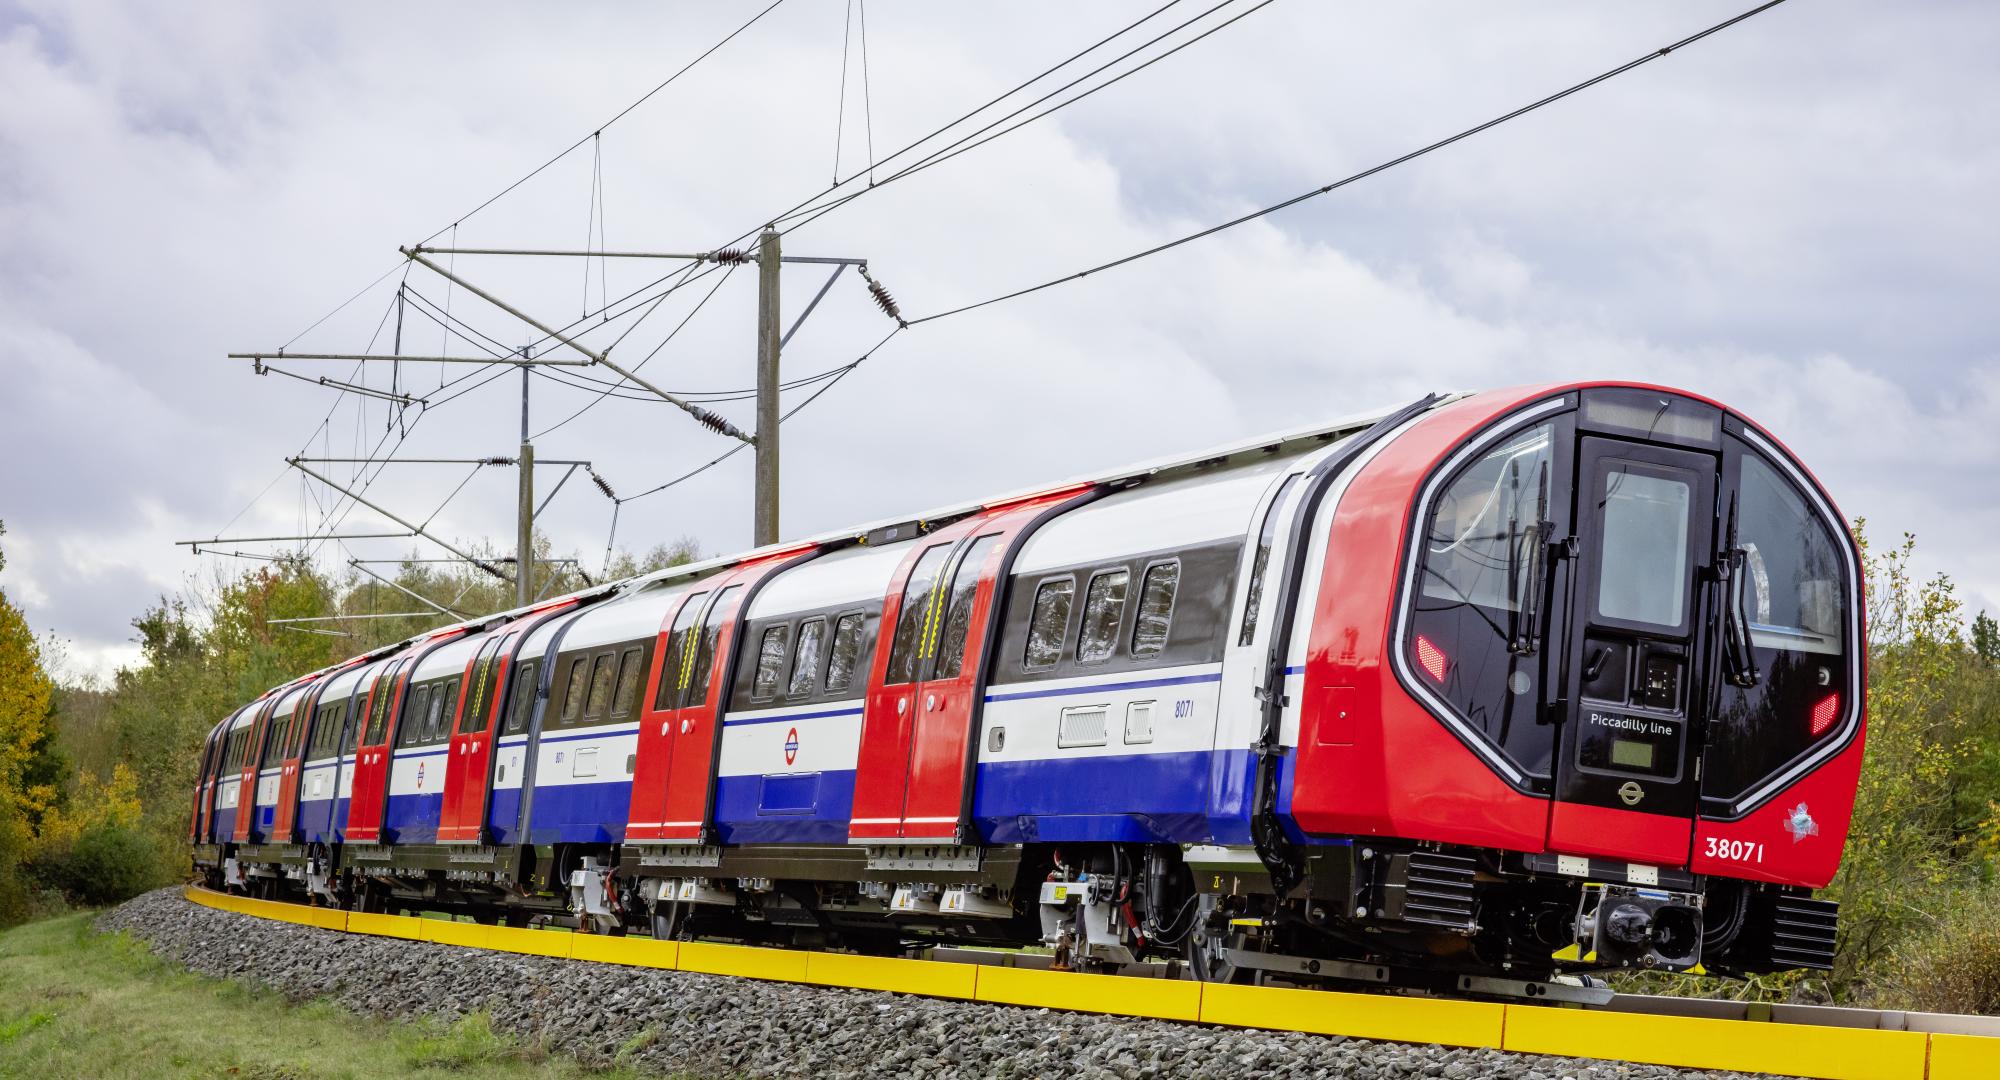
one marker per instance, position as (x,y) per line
(469,761)
(284,816)
(1625,783)
(913,778)
(673,672)
(204,788)
(673,780)
(253,758)
(369,796)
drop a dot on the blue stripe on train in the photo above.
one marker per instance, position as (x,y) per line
(785,808)
(580,813)
(503,815)
(1158,798)
(223,829)
(316,817)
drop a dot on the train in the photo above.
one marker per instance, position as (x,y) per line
(1493,693)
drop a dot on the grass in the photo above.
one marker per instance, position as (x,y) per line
(75,1003)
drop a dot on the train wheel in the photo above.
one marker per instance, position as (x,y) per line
(1206,948)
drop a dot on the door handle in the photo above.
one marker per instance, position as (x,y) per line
(930,702)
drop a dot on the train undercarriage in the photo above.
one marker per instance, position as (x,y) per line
(1365,914)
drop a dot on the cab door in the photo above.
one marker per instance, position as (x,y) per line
(369,795)
(1627,778)
(468,757)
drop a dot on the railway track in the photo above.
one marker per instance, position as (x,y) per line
(1795,1040)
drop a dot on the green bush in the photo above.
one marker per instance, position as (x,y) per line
(1953,965)
(106,863)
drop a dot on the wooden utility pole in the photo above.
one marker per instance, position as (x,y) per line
(768,265)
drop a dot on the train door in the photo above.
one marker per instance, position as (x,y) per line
(1626,780)
(253,760)
(284,815)
(913,776)
(468,764)
(673,671)
(204,790)
(678,803)
(369,794)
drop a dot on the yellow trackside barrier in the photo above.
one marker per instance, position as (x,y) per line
(930,978)
(446,932)
(1741,1046)
(1365,1016)
(777,964)
(1121,995)
(629,951)
(533,942)
(1964,1057)
(1834,1053)
(402,926)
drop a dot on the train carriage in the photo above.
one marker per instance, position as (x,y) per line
(1474,694)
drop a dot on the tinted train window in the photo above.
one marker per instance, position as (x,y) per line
(1156,609)
(631,667)
(1475,554)
(711,639)
(1103,610)
(1048,623)
(770,661)
(573,690)
(1267,536)
(413,717)
(274,739)
(1796,602)
(805,665)
(521,700)
(915,614)
(679,667)
(378,707)
(447,711)
(485,674)
(958,608)
(603,673)
(846,650)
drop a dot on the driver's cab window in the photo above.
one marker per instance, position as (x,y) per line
(1476,630)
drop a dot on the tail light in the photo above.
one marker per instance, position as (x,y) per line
(1432,658)
(1823,714)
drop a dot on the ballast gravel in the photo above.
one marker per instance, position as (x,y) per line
(676,1022)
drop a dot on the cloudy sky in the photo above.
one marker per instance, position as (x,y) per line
(1796,216)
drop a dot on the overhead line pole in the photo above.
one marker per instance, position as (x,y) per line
(524,509)
(765,513)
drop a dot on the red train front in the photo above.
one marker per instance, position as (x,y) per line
(1613,689)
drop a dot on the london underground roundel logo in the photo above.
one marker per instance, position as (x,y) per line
(791,746)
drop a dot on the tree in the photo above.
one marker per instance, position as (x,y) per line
(29,779)
(1986,639)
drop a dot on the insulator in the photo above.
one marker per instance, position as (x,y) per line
(604,487)
(712,421)
(728,256)
(884,301)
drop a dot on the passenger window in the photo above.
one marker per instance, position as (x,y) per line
(919,593)
(846,650)
(1103,609)
(447,710)
(1253,594)
(958,609)
(1156,609)
(631,666)
(805,665)
(602,673)
(574,687)
(522,697)
(274,740)
(711,638)
(413,727)
(674,674)
(1048,623)
(378,707)
(770,661)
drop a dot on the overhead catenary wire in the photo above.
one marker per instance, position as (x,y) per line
(1363,174)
